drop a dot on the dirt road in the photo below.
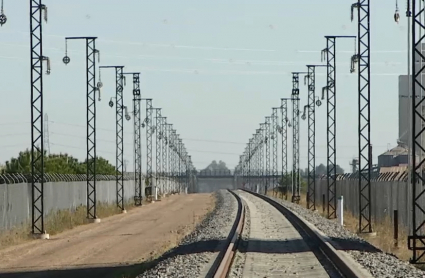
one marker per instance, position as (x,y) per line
(119,244)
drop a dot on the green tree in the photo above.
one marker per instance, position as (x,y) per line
(56,163)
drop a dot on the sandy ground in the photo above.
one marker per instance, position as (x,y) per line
(119,244)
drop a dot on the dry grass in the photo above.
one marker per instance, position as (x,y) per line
(384,239)
(57,222)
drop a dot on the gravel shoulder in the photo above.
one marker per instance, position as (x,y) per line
(195,254)
(378,263)
(110,247)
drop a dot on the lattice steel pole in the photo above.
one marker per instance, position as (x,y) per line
(157,152)
(267,142)
(330,52)
(92,87)
(284,131)
(416,241)
(37,148)
(149,132)
(259,153)
(164,154)
(296,136)
(262,160)
(119,110)
(274,129)
(312,103)
(169,156)
(137,140)
(365,163)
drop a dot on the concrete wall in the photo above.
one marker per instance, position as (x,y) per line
(387,196)
(15,199)
(207,185)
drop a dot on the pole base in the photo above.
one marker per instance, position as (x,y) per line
(367,234)
(124,211)
(94,220)
(42,236)
(153,201)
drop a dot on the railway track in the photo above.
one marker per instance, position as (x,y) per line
(280,244)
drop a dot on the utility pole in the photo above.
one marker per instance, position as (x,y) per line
(296,136)
(92,87)
(119,82)
(137,138)
(417,237)
(365,159)
(312,102)
(330,52)
(37,148)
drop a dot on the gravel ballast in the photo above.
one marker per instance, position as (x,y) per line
(378,263)
(195,253)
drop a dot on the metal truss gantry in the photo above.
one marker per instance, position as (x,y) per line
(37,148)
(311,182)
(330,52)
(119,110)
(284,133)
(274,139)
(416,241)
(137,140)
(365,159)
(296,135)
(92,87)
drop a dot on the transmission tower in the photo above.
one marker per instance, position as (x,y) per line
(331,121)
(46,134)
(37,148)
(91,87)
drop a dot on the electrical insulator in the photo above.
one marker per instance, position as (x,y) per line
(396,13)
(323,54)
(3,17)
(396,17)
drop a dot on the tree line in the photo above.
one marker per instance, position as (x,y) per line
(56,164)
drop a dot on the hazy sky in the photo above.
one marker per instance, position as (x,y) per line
(215,67)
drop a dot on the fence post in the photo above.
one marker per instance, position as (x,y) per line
(395,228)
(340,210)
(323,202)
